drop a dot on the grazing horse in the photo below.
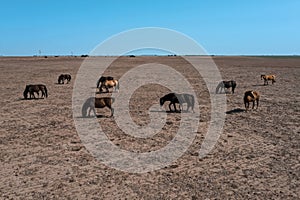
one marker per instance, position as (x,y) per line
(226,84)
(267,78)
(63,77)
(251,96)
(92,103)
(102,79)
(180,99)
(109,84)
(31,89)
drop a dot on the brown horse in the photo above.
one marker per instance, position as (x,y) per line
(31,89)
(109,84)
(251,96)
(92,103)
(63,77)
(267,78)
(180,99)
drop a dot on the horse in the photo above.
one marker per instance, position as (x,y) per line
(102,79)
(92,103)
(63,77)
(267,78)
(251,96)
(226,84)
(180,99)
(109,84)
(31,89)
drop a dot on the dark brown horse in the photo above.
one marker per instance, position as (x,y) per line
(31,89)
(91,103)
(251,96)
(180,99)
(226,85)
(103,79)
(63,77)
(268,78)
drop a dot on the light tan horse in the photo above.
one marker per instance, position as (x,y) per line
(268,78)
(251,96)
(109,84)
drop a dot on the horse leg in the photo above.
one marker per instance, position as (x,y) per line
(100,88)
(112,112)
(257,103)
(175,107)
(170,107)
(253,104)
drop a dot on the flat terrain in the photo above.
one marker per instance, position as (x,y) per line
(256,157)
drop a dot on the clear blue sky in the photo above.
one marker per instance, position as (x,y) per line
(226,27)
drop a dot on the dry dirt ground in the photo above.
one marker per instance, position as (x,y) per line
(256,157)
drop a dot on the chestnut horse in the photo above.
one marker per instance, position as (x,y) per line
(91,103)
(268,78)
(251,96)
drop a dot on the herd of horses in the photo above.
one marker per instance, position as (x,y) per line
(108,82)
(37,88)
(174,98)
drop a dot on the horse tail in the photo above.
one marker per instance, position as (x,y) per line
(233,86)
(98,82)
(117,85)
(112,100)
(192,102)
(46,91)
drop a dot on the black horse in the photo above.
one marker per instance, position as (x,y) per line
(103,79)
(180,99)
(226,84)
(31,89)
(63,77)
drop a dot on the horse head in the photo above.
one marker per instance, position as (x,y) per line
(161,101)
(26,92)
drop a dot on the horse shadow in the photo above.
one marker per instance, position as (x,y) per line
(91,117)
(30,99)
(168,111)
(257,85)
(224,92)
(236,110)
